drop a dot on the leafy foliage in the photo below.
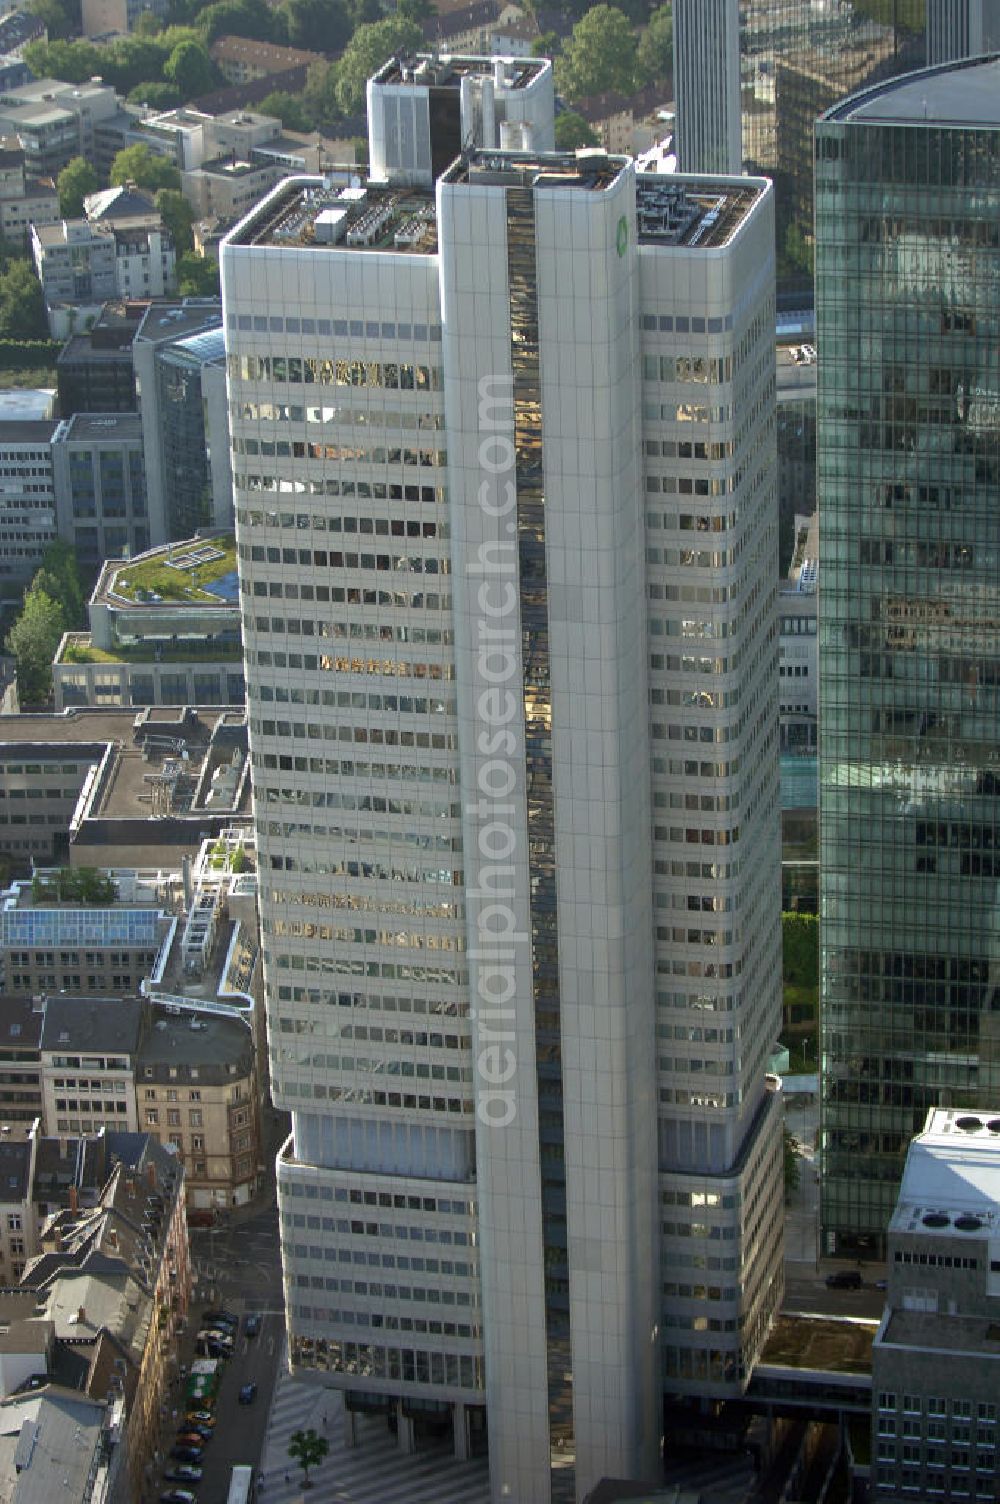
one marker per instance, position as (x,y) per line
(190,69)
(368,48)
(655,53)
(59,576)
(307,1448)
(33,640)
(75,885)
(600,54)
(800,949)
(178,216)
(63,18)
(76,180)
(158,96)
(197,276)
(291,109)
(571,131)
(138,165)
(22,306)
(792,1155)
(318,25)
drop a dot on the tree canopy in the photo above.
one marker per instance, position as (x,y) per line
(307,1448)
(22,306)
(318,25)
(178,216)
(33,640)
(368,48)
(197,276)
(76,180)
(138,165)
(655,53)
(190,69)
(600,54)
(571,131)
(59,576)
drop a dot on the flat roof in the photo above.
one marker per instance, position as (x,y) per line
(693,211)
(376,218)
(32,431)
(826,1343)
(94,1025)
(941,1333)
(951,1180)
(591,168)
(172,321)
(93,727)
(95,426)
(448,69)
(960,93)
(203,1039)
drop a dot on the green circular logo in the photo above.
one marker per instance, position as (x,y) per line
(622,238)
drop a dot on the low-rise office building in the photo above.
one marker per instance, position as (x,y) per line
(89,946)
(164,630)
(27,499)
(99,481)
(24,200)
(936,1358)
(94,370)
(56,121)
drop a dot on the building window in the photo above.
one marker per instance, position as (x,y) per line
(194,1117)
(152,1116)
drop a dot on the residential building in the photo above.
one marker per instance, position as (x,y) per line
(56,121)
(103,18)
(56,1443)
(24,200)
(94,369)
(114,1283)
(117,787)
(14,71)
(120,250)
(707,85)
(241,60)
(18,1222)
(908,673)
(86,944)
(623,122)
(424,110)
(17,29)
(20,1063)
(196,1089)
(609,1180)
(180,367)
(89,1050)
(27,499)
(99,480)
(146,647)
(958,29)
(936,1357)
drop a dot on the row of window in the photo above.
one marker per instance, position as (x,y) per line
(341,453)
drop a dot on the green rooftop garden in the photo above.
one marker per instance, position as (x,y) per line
(74,885)
(209,651)
(179,573)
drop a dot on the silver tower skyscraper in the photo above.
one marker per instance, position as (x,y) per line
(707,84)
(505,479)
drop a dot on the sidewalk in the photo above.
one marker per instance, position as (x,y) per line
(374,1472)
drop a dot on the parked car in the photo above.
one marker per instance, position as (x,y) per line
(844,1279)
(184,1472)
(178,1496)
(215,1334)
(189,1439)
(248,1394)
(251,1326)
(187,1454)
(219,1318)
(195,1428)
(199,1418)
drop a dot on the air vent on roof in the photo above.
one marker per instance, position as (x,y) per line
(968,1224)
(936,1219)
(969,1125)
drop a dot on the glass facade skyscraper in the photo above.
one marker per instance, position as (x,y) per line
(908,321)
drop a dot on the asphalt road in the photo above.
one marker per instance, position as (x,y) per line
(805,1293)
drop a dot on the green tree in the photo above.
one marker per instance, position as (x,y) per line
(238,18)
(132,61)
(33,640)
(571,131)
(191,69)
(308,1449)
(655,53)
(138,165)
(178,216)
(800,949)
(76,180)
(157,96)
(599,55)
(547,44)
(197,276)
(416,10)
(22,306)
(60,578)
(62,17)
(792,1155)
(318,25)
(367,50)
(291,109)
(72,62)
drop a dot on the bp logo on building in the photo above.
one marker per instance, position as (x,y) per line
(622,235)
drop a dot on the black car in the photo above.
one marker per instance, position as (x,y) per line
(220,1318)
(187,1454)
(178,1496)
(844,1279)
(251,1326)
(197,1428)
(184,1472)
(248,1394)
